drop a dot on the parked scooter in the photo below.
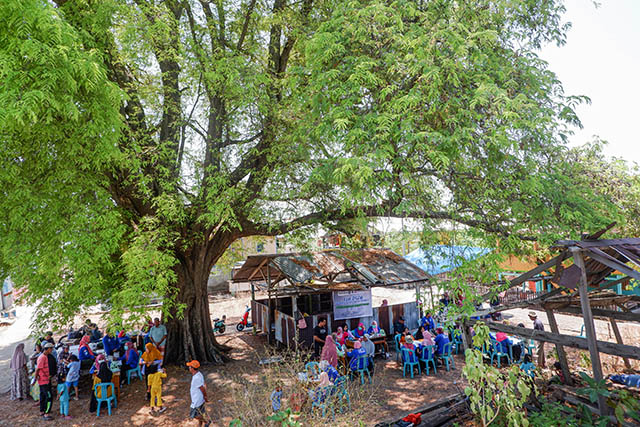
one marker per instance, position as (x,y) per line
(218,324)
(244,323)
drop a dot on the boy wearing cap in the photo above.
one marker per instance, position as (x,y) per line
(198,394)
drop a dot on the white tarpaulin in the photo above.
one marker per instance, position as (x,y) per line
(352,304)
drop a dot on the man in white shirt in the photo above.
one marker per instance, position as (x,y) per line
(198,395)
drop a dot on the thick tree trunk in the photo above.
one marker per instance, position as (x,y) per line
(190,335)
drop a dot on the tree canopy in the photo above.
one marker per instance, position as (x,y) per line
(141,138)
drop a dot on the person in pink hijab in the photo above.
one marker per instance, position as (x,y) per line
(330,352)
(341,335)
(356,361)
(427,338)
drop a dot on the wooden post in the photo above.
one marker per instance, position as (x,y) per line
(253,298)
(269,315)
(419,300)
(616,332)
(589,326)
(562,357)
(294,310)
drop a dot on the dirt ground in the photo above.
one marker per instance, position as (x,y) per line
(388,395)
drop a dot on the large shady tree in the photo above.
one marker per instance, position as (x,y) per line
(140,138)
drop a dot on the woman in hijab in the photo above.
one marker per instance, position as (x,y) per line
(356,362)
(427,338)
(84,351)
(104,376)
(319,394)
(151,355)
(20,383)
(505,342)
(373,329)
(359,331)
(341,335)
(330,352)
(370,348)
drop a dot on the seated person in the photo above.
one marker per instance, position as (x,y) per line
(96,335)
(441,340)
(48,337)
(319,393)
(506,342)
(527,367)
(123,338)
(110,343)
(359,331)
(330,370)
(427,338)
(129,359)
(419,331)
(341,336)
(413,357)
(428,322)
(558,378)
(84,351)
(356,362)
(399,326)
(374,329)
(86,328)
(405,333)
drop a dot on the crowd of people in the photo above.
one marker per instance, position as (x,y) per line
(51,373)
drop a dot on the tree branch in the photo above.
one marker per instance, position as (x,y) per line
(245,24)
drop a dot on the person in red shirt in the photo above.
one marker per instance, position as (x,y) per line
(43,376)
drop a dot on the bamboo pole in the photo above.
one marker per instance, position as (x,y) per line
(616,332)
(562,357)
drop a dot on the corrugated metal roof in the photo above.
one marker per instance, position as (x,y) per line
(335,269)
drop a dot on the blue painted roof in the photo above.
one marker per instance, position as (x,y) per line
(441,258)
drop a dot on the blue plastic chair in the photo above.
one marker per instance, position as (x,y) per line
(529,369)
(362,364)
(446,356)
(529,345)
(312,369)
(104,387)
(496,351)
(409,360)
(582,331)
(427,355)
(322,400)
(341,392)
(456,336)
(397,338)
(136,372)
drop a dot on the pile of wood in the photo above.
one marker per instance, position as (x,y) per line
(446,412)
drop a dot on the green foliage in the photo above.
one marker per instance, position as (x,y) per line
(285,417)
(141,139)
(494,396)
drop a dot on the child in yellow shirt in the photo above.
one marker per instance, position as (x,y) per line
(154,386)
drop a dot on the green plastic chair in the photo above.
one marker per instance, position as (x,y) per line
(312,369)
(104,387)
(322,400)
(446,356)
(497,352)
(362,362)
(427,355)
(529,369)
(341,393)
(456,335)
(396,338)
(409,360)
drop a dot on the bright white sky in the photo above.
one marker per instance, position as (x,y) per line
(601,60)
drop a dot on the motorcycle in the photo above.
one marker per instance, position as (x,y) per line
(244,323)
(218,324)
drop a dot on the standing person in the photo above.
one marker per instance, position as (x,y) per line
(63,398)
(43,377)
(198,395)
(399,326)
(319,336)
(330,352)
(537,325)
(73,374)
(63,360)
(154,388)
(158,335)
(20,383)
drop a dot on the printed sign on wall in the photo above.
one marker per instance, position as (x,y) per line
(352,304)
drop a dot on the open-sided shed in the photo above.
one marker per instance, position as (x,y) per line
(301,285)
